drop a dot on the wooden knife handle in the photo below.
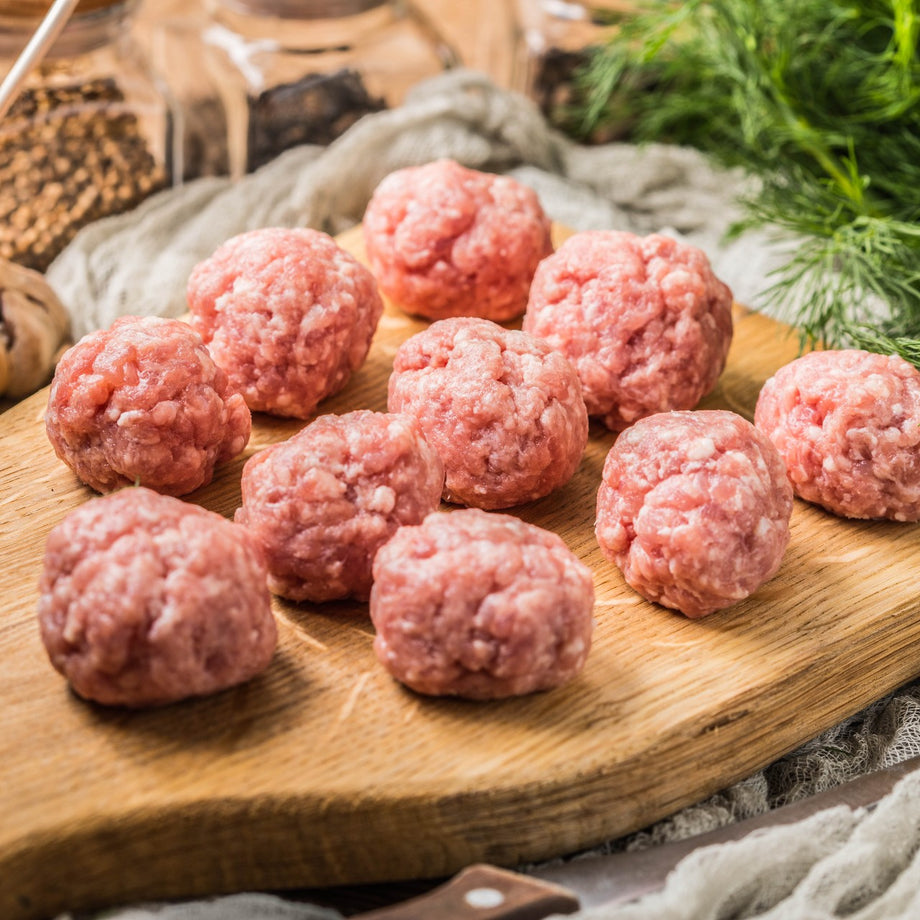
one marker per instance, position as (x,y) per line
(482,892)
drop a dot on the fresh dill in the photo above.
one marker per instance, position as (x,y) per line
(819,101)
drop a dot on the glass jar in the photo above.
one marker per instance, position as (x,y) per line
(261,76)
(556,38)
(88,135)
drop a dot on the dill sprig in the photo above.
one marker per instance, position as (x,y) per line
(820,101)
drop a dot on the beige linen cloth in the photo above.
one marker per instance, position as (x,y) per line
(838,863)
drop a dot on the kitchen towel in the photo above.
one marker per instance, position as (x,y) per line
(138,263)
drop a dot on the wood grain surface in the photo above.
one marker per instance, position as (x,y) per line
(324,771)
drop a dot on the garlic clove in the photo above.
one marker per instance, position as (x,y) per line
(34,325)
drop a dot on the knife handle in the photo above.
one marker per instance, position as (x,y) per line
(483,892)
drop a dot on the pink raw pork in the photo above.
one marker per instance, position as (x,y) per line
(143,402)
(503,410)
(847,425)
(694,509)
(323,502)
(480,605)
(287,313)
(145,599)
(444,240)
(643,319)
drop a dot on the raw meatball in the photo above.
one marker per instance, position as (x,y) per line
(145,599)
(143,402)
(502,409)
(847,425)
(287,313)
(480,605)
(694,509)
(444,241)
(323,502)
(643,319)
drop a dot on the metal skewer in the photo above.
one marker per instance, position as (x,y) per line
(37,47)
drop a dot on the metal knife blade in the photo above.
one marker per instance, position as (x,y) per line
(483,892)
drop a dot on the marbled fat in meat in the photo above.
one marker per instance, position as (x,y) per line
(444,240)
(288,314)
(643,319)
(480,605)
(694,509)
(144,402)
(502,408)
(847,425)
(145,599)
(323,502)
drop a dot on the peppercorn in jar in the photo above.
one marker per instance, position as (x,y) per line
(88,135)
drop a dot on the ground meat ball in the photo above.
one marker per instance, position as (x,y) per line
(503,410)
(444,241)
(480,605)
(145,599)
(847,425)
(694,509)
(288,314)
(643,319)
(323,502)
(143,402)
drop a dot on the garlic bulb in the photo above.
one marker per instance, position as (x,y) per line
(34,330)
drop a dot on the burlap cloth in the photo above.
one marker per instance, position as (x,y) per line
(859,864)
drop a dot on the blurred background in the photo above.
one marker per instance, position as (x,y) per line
(136,95)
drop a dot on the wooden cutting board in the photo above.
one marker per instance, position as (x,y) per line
(324,771)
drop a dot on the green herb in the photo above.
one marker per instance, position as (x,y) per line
(819,100)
